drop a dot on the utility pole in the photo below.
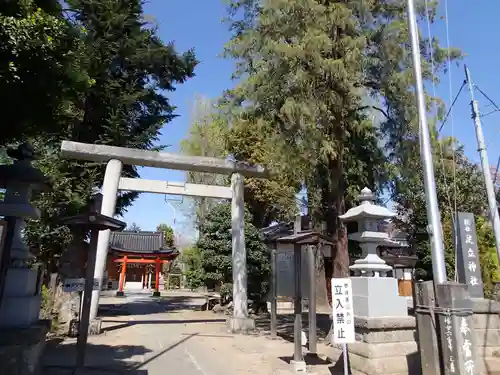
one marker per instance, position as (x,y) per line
(433,216)
(481,146)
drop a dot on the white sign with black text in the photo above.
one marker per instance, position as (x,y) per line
(77,285)
(343,312)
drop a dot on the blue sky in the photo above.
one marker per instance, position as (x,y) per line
(197,24)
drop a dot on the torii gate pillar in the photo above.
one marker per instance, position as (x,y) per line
(239,322)
(108,208)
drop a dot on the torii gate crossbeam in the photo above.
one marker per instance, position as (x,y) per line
(113,182)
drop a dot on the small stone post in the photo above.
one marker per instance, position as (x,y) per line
(428,342)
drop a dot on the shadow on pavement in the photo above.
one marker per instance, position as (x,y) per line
(59,358)
(119,324)
(284,325)
(149,305)
(310,360)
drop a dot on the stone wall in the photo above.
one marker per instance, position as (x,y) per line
(383,346)
(487,334)
(388,346)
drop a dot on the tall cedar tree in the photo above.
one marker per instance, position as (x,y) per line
(304,65)
(388,83)
(130,69)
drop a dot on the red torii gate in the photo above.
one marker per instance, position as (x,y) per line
(158,261)
(141,248)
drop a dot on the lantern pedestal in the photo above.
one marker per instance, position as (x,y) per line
(383,346)
(377,297)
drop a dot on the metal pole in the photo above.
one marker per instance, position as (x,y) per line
(297,328)
(346,359)
(83,329)
(488,181)
(274,304)
(312,299)
(433,215)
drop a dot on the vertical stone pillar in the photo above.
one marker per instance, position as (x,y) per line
(456,330)
(239,322)
(428,341)
(108,208)
(468,265)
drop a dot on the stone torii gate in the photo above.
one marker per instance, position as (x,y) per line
(113,182)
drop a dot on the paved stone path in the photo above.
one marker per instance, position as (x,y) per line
(146,336)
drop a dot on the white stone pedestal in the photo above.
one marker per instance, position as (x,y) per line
(377,297)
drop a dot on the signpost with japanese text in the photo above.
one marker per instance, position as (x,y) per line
(77,285)
(456,329)
(343,316)
(468,265)
(343,312)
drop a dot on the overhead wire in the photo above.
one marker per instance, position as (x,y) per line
(451,107)
(497,108)
(452,207)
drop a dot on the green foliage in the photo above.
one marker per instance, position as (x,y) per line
(215,248)
(207,137)
(302,65)
(191,257)
(39,68)
(490,269)
(168,234)
(130,71)
(133,228)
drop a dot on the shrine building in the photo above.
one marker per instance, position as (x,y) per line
(135,261)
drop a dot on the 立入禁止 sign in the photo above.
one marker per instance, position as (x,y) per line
(343,312)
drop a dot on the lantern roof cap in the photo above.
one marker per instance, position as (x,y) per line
(366,209)
(21,170)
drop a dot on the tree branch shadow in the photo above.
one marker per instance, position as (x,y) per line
(59,358)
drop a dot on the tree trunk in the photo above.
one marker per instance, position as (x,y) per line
(322,301)
(336,207)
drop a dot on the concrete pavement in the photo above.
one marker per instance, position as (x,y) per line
(147,336)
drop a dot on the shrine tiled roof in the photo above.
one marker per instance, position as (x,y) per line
(139,242)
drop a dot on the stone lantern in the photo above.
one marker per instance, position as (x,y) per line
(370,284)
(22,334)
(20,303)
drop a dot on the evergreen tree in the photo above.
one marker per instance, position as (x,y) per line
(39,68)
(215,253)
(304,62)
(131,70)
